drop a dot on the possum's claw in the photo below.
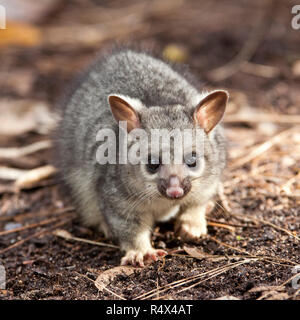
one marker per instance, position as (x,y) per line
(138,258)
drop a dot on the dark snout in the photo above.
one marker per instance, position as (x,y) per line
(174,188)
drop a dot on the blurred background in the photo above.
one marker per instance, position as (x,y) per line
(48,41)
(247,47)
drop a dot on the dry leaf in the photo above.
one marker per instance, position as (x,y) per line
(109,275)
(196,253)
(32,177)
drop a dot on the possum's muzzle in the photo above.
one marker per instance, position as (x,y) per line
(173,188)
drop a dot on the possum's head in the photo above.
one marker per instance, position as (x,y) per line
(178,146)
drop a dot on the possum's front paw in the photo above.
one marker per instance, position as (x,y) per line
(138,258)
(191,224)
(191,230)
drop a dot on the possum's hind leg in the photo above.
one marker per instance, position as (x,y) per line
(87,201)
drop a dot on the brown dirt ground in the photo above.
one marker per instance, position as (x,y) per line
(212,33)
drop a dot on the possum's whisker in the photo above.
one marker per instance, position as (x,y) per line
(145,196)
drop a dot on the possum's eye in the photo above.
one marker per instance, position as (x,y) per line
(153,164)
(191,160)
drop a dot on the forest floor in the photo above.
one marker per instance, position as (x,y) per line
(252,247)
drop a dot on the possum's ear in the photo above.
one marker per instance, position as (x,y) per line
(209,112)
(123,111)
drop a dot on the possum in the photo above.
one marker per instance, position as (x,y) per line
(125,200)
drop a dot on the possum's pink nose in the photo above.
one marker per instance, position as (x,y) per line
(174,192)
(174,189)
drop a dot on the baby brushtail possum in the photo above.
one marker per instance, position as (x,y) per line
(125,200)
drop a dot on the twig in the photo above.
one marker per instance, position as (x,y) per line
(10,153)
(37,234)
(213,275)
(30,226)
(219,225)
(66,235)
(27,215)
(175,284)
(235,225)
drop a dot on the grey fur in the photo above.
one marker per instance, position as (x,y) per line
(105,193)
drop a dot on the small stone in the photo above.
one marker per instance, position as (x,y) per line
(161,245)
(11,226)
